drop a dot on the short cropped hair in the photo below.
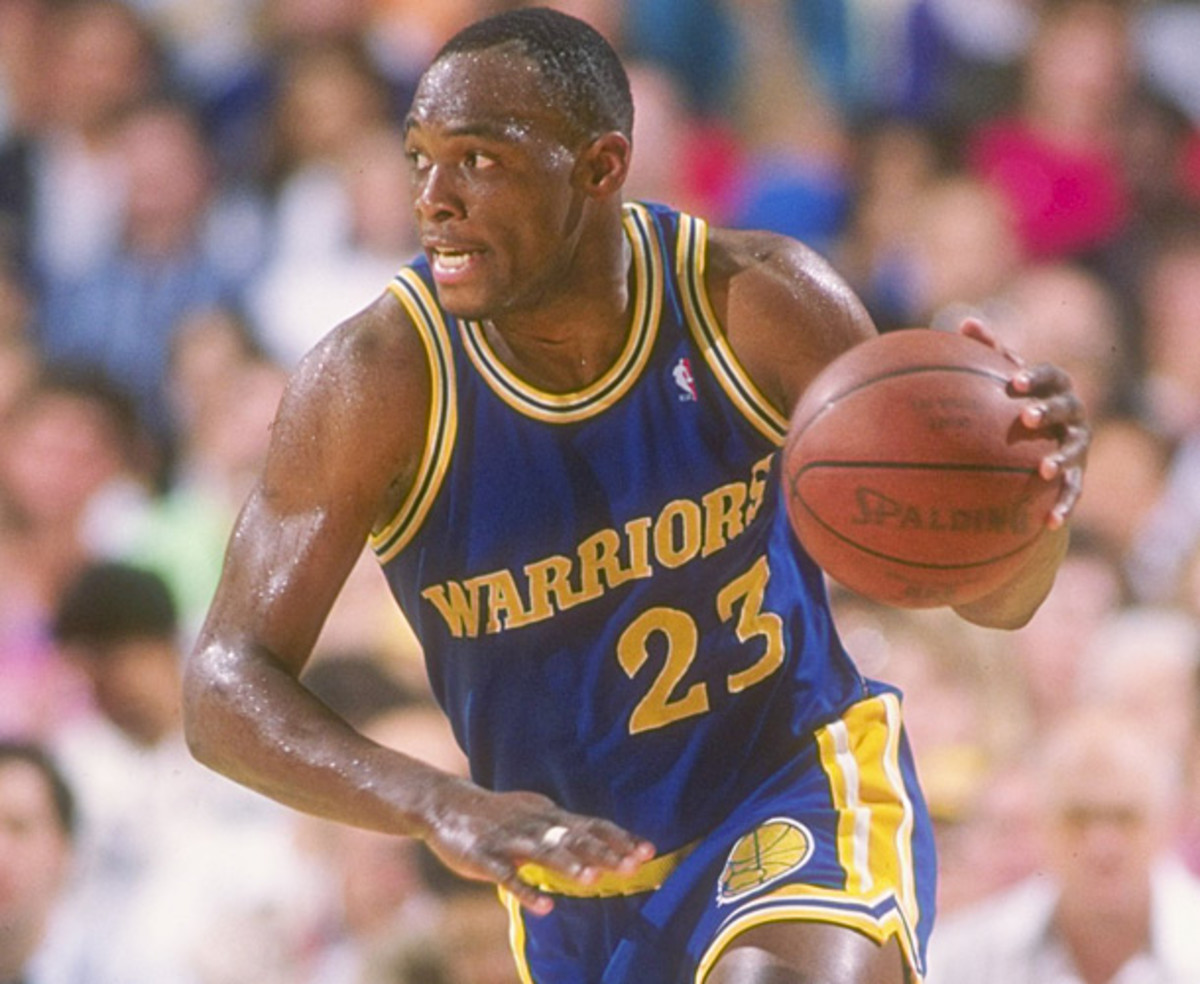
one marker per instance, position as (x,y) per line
(111,602)
(28,753)
(582,72)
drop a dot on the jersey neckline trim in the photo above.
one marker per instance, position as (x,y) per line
(648,278)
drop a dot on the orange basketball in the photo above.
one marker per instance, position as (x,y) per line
(909,477)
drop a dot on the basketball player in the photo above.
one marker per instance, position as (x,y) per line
(557,429)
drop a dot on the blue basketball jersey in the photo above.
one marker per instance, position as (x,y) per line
(613,608)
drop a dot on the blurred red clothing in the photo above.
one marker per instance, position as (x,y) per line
(1065,200)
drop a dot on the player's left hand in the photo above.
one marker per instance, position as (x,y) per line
(489,835)
(1052,406)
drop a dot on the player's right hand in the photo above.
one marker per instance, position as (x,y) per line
(489,836)
(1053,407)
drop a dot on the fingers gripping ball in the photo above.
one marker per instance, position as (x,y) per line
(909,477)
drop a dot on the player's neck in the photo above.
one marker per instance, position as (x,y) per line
(568,342)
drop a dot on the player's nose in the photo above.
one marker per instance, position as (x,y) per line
(436,197)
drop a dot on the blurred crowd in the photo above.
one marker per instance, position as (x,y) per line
(192,193)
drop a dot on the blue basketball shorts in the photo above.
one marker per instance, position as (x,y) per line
(840,836)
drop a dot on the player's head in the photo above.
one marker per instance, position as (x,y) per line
(580,72)
(518,137)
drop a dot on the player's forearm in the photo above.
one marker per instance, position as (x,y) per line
(1014,604)
(250,720)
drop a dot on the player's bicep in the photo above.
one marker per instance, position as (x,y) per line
(283,570)
(348,427)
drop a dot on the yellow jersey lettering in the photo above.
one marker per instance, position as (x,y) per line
(505,610)
(600,558)
(605,560)
(677,533)
(550,587)
(459,606)
(723,516)
(758,486)
(637,533)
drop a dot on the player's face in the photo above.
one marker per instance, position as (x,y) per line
(494,184)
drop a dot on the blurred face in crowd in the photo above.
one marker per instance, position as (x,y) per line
(58,451)
(1107,804)
(327,100)
(99,63)
(34,856)
(135,684)
(1079,67)
(1062,313)
(169,179)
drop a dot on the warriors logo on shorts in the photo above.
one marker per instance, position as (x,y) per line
(771,851)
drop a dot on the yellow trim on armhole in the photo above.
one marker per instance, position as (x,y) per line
(422,309)
(691,258)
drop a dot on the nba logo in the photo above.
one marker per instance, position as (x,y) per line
(684,379)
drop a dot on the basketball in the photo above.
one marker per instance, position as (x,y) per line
(908,475)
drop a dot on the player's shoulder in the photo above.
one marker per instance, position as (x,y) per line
(738,250)
(365,386)
(377,349)
(786,310)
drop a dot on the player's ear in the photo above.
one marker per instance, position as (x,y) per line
(603,164)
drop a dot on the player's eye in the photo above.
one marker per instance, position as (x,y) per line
(477,161)
(418,161)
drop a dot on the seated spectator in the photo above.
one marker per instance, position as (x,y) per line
(894,163)
(320,277)
(960,249)
(1110,902)
(1145,663)
(73,465)
(120,315)
(159,835)
(796,172)
(224,395)
(1057,159)
(37,823)
(1050,649)
(1170,330)
(997,840)
(61,183)
(1128,465)
(72,477)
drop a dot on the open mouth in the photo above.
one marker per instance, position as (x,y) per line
(452,263)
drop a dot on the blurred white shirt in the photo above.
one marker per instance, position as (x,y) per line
(1010,939)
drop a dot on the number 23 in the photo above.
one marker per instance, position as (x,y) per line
(666,701)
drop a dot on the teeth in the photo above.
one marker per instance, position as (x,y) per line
(452,260)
